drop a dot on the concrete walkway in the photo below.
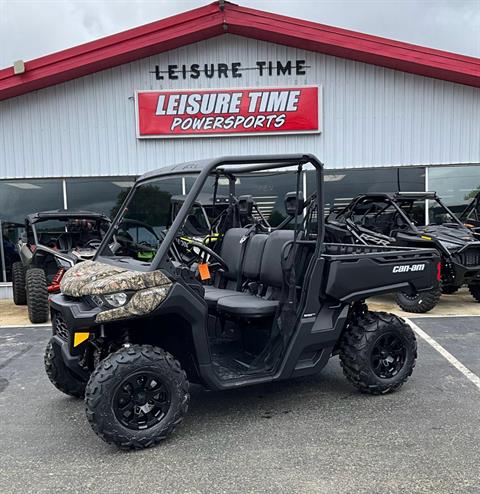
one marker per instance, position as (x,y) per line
(458,304)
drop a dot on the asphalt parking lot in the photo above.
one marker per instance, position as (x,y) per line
(309,435)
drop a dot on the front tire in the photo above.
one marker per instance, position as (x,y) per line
(378,352)
(136,397)
(37,295)
(60,375)
(419,302)
(18,284)
(449,289)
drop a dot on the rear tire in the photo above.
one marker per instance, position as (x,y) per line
(369,368)
(419,303)
(474,289)
(37,295)
(449,289)
(136,397)
(60,375)
(18,284)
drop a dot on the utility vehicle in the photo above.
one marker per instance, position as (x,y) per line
(413,219)
(262,306)
(53,242)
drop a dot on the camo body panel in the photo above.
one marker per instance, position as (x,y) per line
(95,278)
(143,302)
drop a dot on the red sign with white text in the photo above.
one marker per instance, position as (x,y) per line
(215,112)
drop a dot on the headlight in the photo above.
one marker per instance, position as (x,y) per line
(116,299)
(112,300)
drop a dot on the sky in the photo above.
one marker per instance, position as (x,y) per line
(32,28)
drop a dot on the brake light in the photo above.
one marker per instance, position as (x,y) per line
(439,271)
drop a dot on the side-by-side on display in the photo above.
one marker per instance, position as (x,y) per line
(241,303)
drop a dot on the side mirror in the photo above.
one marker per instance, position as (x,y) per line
(294,204)
(245,205)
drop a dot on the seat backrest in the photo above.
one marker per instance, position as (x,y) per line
(231,251)
(253,256)
(271,272)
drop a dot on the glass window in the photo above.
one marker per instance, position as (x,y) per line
(11,232)
(100,195)
(268,191)
(456,185)
(21,197)
(18,198)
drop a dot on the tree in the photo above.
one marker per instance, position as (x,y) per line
(149,205)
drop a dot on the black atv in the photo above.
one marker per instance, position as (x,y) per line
(53,242)
(413,219)
(260,307)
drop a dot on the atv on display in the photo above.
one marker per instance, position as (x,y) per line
(53,242)
(261,306)
(413,219)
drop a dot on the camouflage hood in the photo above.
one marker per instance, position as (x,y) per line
(96,278)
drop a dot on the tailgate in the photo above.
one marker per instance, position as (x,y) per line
(360,275)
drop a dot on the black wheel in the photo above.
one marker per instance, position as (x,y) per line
(449,289)
(18,284)
(474,289)
(378,353)
(137,396)
(60,375)
(419,302)
(37,295)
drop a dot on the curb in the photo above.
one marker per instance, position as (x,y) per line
(33,326)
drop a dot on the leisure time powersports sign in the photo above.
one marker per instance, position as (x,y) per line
(226,112)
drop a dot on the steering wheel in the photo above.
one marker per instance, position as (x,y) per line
(203,256)
(93,243)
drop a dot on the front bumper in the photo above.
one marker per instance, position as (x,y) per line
(76,313)
(71,360)
(464,265)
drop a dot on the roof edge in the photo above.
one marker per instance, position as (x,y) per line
(219,17)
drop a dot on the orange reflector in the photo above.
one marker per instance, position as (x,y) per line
(204,271)
(79,338)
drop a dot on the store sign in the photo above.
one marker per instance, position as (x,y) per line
(262,68)
(221,112)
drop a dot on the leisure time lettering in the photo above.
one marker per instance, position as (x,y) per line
(230,70)
(199,106)
(236,111)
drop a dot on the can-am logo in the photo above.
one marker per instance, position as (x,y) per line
(228,111)
(408,269)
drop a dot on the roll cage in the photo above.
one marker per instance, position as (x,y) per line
(226,166)
(392,199)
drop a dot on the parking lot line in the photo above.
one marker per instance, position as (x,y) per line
(445,353)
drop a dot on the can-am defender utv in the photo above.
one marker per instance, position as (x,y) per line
(264,306)
(413,219)
(53,242)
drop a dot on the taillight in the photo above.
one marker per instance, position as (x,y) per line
(439,271)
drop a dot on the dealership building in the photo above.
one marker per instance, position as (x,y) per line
(78,126)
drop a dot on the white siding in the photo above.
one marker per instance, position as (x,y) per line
(372,117)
